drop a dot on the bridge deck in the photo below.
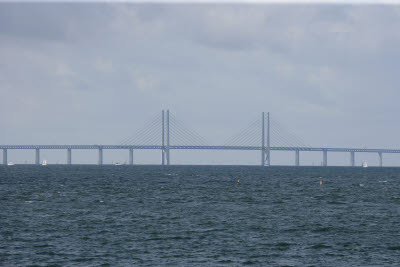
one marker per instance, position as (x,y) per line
(178,147)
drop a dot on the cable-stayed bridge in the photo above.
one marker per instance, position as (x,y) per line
(167,132)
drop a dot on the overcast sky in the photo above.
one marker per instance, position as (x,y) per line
(95,73)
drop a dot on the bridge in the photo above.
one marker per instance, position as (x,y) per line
(158,134)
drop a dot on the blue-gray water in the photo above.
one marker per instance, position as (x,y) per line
(199,215)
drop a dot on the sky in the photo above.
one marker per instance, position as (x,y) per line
(95,73)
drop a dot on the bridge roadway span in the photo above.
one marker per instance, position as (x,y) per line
(178,147)
(165,151)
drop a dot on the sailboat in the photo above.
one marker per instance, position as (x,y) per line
(364,164)
(44,162)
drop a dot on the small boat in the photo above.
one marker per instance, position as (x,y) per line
(364,164)
(10,163)
(44,163)
(117,163)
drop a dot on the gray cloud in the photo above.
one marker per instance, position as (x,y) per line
(93,73)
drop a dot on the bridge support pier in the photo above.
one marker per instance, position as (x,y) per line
(325,158)
(131,156)
(297,158)
(352,158)
(162,139)
(380,159)
(5,156)
(268,152)
(100,161)
(37,156)
(69,156)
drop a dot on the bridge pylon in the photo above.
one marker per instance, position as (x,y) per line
(168,135)
(165,136)
(265,150)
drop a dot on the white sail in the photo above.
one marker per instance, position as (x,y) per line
(364,164)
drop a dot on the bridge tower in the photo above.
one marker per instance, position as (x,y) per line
(265,151)
(167,148)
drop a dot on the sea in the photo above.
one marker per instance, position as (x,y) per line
(86,215)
